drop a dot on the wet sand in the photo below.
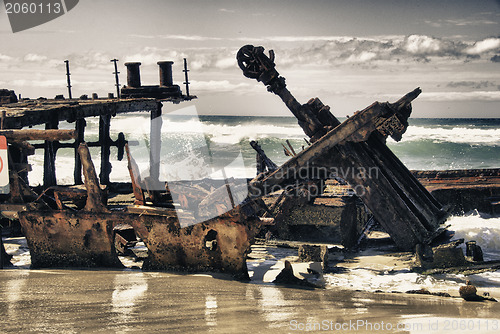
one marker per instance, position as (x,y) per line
(84,301)
(132,301)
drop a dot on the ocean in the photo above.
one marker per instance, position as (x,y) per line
(190,141)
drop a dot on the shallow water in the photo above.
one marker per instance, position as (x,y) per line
(77,301)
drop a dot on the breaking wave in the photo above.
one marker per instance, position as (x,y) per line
(460,135)
(427,143)
(485,231)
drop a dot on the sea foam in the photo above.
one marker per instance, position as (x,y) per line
(461,135)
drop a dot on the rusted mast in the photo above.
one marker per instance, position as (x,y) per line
(68,78)
(94,192)
(117,80)
(256,65)
(186,77)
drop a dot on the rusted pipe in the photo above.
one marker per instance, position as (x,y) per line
(133,74)
(166,73)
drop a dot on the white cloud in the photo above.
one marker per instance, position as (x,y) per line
(55,83)
(484,46)
(417,44)
(475,19)
(225,10)
(5,58)
(384,50)
(218,85)
(190,37)
(361,57)
(471,22)
(178,37)
(461,96)
(31,57)
(225,63)
(306,38)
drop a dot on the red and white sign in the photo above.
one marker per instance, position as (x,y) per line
(4,166)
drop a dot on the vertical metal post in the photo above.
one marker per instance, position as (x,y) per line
(186,77)
(80,130)
(105,141)
(68,77)
(155,143)
(116,77)
(50,150)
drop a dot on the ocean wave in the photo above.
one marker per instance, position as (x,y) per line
(462,135)
(236,129)
(216,130)
(486,232)
(232,134)
(427,143)
(428,154)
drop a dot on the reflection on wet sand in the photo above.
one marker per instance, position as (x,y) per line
(126,296)
(16,288)
(75,301)
(211,310)
(276,309)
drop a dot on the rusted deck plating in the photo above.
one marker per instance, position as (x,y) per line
(51,112)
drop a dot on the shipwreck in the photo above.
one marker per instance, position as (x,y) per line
(210,225)
(80,225)
(406,210)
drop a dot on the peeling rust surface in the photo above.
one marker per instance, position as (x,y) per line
(65,239)
(85,239)
(220,244)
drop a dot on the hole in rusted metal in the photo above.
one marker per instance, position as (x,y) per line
(211,240)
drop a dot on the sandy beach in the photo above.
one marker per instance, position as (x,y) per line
(121,301)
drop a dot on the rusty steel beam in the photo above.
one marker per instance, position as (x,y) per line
(33,134)
(94,192)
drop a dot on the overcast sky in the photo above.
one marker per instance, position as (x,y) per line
(348,53)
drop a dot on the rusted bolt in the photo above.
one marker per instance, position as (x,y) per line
(133,74)
(166,73)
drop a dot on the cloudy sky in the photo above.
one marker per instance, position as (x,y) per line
(349,53)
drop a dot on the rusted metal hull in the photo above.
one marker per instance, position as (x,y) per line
(85,239)
(464,190)
(70,239)
(220,244)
